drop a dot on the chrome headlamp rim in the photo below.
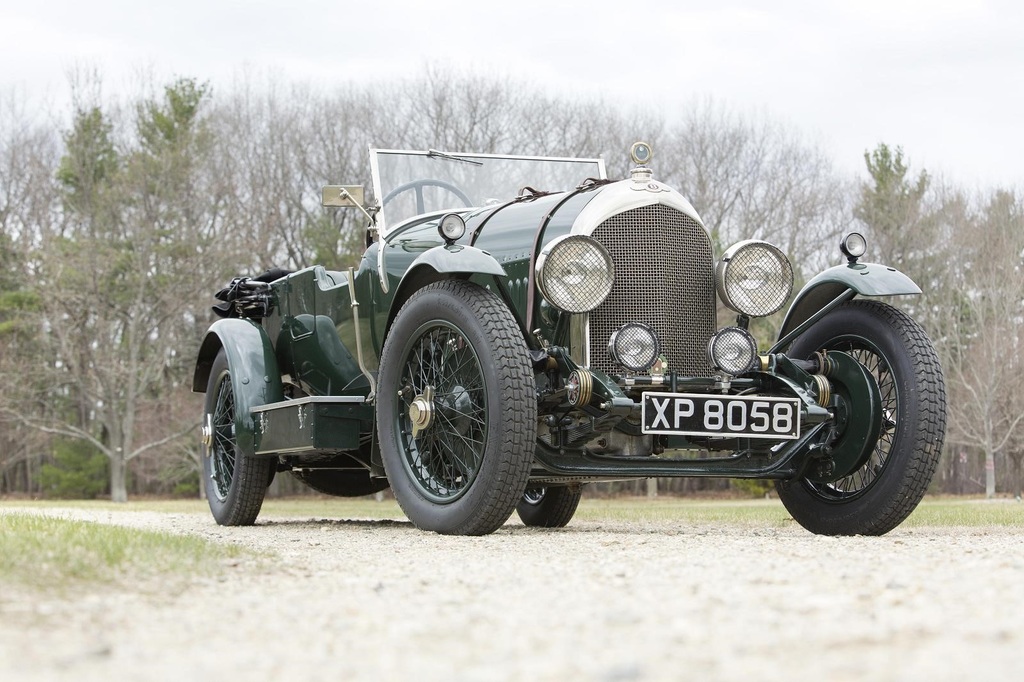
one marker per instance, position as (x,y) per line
(854,245)
(744,361)
(619,355)
(749,296)
(574,297)
(451,227)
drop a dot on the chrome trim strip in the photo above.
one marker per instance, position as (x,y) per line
(359,337)
(626,195)
(375,182)
(579,339)
(477,155)
(309,399)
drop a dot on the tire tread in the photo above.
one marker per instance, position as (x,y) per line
(926,439)
(555,510)
(518,421)
(251,475)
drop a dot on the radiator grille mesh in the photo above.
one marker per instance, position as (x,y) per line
(664,278)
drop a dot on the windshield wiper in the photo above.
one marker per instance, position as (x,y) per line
(442,155)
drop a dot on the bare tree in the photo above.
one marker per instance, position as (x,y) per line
(275,146)
(984,328)
(753,177)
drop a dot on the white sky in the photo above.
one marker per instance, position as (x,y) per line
(942,78)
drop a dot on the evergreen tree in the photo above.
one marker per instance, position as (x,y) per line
(122,273)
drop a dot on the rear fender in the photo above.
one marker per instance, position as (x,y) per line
(855,279)
(255,378)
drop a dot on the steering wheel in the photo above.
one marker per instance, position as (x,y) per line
(418,186)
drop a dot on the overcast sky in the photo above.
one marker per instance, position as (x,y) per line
(942,78)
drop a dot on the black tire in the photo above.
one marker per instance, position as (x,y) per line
(236,483)
(455,353)
(549,507)
(879,495)
(341,482)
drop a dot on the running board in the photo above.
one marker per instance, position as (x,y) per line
(311,425)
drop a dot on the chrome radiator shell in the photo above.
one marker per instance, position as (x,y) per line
(664,278)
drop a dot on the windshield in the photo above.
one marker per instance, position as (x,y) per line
(409,183)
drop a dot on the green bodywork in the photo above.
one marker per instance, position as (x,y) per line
(255,377)
(839,283)
(311,425)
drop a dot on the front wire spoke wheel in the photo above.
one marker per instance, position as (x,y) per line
(445,456)
(888,484)
(457,410)
(861,479)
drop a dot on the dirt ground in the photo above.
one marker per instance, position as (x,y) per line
(365,600)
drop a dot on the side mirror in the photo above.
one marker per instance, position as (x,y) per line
(346,196)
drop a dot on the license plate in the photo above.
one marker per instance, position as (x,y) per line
(698,414)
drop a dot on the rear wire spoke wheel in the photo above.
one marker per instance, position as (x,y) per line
(456,409)
(880,494)
(546,507)
(235,482)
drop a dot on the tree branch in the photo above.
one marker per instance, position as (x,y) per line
(157,443)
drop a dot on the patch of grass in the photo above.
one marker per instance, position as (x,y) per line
(51,554)
(170,506)
(933,511)
(314,506)
(968,512)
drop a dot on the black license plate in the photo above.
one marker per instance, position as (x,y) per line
(698,414)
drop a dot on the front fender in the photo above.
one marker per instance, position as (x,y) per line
(255,378)
(863,279)
(457,258)
(441,262)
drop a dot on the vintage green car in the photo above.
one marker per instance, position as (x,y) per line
(506,340)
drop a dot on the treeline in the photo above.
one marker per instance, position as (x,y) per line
(119,222)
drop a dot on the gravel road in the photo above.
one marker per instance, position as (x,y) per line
(365,600)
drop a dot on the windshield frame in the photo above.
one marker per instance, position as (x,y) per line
(384,227)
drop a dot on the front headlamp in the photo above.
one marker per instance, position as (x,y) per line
(732,350)
(754,278)
(451,228)
(853,246)
(634,346)
(575,273)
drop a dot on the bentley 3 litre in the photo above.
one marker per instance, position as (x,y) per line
(521,326)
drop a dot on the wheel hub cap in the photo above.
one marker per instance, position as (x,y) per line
(207,433)
(421,411)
